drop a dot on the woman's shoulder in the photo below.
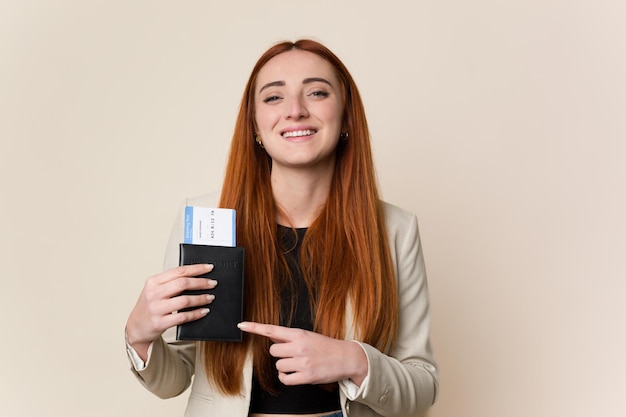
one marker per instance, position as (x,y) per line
(401,225)
(403,234)
(397,216)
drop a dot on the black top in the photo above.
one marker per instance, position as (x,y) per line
(297,399)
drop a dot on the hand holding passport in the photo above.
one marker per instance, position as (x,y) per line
(210,239)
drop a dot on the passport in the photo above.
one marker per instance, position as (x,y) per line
(226,310)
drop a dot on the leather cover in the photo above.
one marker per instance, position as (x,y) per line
(227,307)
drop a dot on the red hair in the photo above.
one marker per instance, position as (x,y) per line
(345,253)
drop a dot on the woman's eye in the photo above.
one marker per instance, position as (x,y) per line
(319,93)
(269,99)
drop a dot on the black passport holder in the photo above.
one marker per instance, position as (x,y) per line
(227,308)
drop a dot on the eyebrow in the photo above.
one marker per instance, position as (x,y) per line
(305,81)
(316,80)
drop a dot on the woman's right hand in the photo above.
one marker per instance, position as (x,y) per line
(159,304)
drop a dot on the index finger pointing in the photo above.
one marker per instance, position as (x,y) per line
(276,333)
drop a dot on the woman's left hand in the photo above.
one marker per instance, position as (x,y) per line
(306,357)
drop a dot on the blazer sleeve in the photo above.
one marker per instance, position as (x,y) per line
(403,382)
(171,364)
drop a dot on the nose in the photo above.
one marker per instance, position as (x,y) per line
(296,109)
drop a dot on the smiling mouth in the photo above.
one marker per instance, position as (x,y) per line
(298,133)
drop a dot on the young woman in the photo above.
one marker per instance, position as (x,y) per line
(336,299)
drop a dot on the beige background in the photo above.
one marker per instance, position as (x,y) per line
(500,123)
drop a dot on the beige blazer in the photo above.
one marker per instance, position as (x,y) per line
(400,383)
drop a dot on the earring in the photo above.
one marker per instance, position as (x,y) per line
(258,140)
(344,136)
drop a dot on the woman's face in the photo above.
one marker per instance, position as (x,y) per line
(299,110)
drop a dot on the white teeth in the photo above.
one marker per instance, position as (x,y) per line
(297,133)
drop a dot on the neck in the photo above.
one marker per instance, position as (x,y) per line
(300,195)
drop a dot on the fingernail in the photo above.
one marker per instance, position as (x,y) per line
(210,297)
(204,311)
(208,266)
(242,325)
(212,282)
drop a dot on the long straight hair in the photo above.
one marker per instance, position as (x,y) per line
(345,254)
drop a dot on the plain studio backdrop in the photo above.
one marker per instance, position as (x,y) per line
(501,124)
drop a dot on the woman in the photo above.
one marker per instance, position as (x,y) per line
(336,304)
